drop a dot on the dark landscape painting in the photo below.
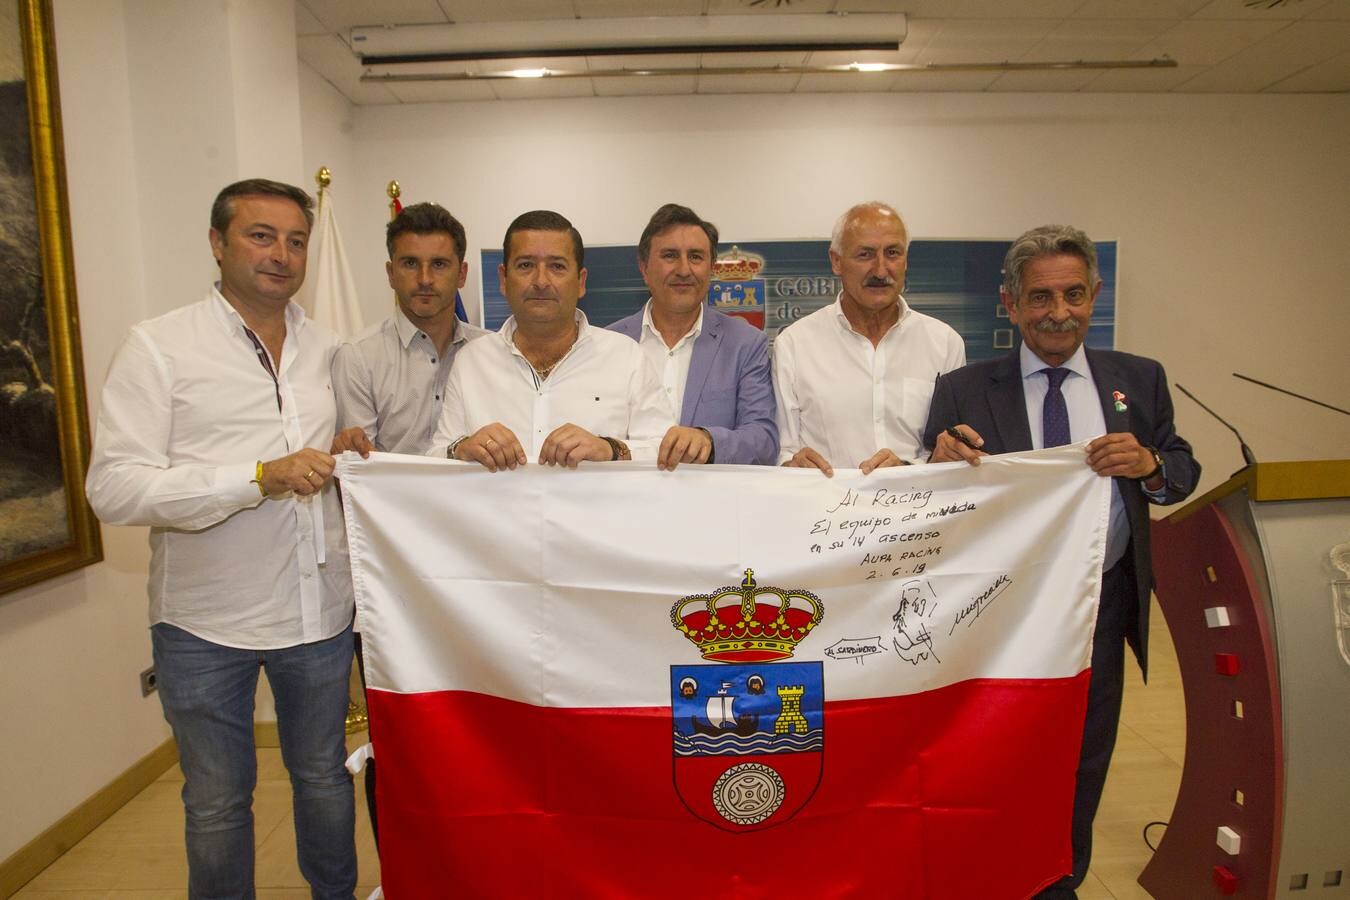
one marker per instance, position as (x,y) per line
(45,524)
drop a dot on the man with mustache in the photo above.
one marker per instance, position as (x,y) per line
(210,431)
(714,367)
(854,379)
(1054,391)
(549,381)
(390,380)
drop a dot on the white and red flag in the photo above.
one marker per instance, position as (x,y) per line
(726,681)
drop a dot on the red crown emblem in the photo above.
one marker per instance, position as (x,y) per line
(748,623)
(737,265)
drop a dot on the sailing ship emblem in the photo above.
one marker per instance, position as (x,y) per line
(748,731)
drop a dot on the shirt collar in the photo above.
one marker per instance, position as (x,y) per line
(229,319)
(508,330)
(838,309)
(407,330)
(649,328)
(1031,363)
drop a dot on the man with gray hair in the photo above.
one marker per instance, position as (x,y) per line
(854,379)
(1054,391)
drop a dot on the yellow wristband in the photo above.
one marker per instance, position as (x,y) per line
(257,478)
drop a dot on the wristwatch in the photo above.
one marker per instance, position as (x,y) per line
(618,448)
(1157,464)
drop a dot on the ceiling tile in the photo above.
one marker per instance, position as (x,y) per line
(747,84)
(329,56)
(504,10)
(847,82)
(876,6)
(990,9)
(1331,75)
(756,60)
(1287,52)
(767,8)
(1097,39)
(643,61)
(441,91)
(1237,9)
(635,85)
(1138,9)
(620,9)
(986,40)
(1339,11)
(848,57)
(542,88)
(1142,81)
(1209,42)
(1056,80)
(343,15)
(305,22)
(944,81)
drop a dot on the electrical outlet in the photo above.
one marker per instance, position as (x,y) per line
(149,681)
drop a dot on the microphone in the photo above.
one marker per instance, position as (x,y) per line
(1247,455)
(1344,412)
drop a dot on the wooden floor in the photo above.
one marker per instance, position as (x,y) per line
(138,853)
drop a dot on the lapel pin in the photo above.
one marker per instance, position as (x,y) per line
(1120,401)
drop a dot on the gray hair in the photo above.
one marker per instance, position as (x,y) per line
(837,236)
(1047,240)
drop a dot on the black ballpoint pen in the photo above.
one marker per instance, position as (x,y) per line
(954,433)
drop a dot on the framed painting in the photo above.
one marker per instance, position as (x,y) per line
(46,525)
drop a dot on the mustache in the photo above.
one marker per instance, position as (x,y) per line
(874,281)
(1050,326)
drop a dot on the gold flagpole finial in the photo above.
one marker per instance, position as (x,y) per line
(323,177)
(393,190)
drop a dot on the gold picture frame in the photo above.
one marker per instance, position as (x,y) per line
(44,437)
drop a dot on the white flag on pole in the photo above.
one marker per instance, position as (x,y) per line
(329,293)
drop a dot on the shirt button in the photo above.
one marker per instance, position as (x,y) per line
(433,360)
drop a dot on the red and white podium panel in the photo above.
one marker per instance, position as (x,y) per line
(1254,581)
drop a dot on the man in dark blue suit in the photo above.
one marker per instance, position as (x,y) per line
(714,367)
(1054,391)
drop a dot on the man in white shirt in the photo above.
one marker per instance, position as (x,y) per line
(390,380)
(855,378)
(549,386)
(209,431)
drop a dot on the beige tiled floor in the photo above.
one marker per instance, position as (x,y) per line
(138,853)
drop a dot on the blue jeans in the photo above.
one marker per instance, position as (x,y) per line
(207,691)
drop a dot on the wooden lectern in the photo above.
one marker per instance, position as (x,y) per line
(1260,615)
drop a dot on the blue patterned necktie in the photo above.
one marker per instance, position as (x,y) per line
(1055,413)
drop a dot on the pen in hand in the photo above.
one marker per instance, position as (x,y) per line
(956,434)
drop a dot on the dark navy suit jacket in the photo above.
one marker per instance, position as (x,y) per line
(729,390)
(987,396)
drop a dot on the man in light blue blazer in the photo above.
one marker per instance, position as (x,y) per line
(714,367)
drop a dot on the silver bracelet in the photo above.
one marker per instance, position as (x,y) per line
(454,445)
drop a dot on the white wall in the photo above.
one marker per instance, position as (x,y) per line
(1230,211)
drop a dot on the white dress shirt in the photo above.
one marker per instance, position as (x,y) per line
(603,384)
(187,412)
(1086,421)
(390,380)
(845,398)
(671,364)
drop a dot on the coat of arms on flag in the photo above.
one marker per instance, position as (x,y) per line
(749,730)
